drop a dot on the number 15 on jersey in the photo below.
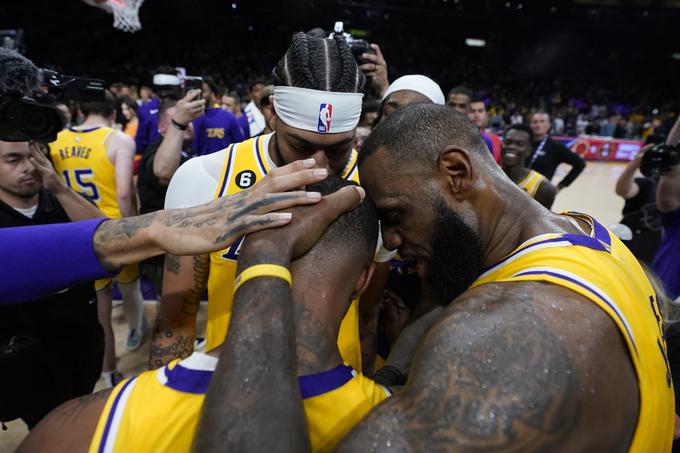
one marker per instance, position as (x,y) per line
(80,180)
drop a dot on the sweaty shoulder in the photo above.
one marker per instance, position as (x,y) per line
(512,367)
(195,181)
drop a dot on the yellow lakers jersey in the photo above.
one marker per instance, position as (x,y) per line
(531,183)
(158,410)
(604,271)
(79,157)
(245,164)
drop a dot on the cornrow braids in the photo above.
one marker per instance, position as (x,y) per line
(319,64)
(350,74)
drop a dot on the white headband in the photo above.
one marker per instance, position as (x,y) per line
(166,79)
(325,112)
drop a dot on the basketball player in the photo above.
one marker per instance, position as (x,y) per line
(553,338)
(316,78)
(97,160)
(516,147)
(406,90)
(159,410)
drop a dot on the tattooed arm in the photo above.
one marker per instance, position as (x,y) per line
(184,279)
(255,383)
(369,311)
(511,368)
(69,427)
(208,227)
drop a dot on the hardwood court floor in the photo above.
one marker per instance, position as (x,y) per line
(592,193)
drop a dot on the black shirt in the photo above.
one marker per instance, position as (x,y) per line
(151,192)
(551,156)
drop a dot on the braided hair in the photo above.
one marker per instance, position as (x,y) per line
(319,64)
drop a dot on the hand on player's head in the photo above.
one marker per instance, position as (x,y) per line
(309,223)
(216,225)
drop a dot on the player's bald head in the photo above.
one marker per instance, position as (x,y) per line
(353,235)
(417,134)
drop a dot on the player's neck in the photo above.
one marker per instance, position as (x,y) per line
(94,121)
(505,229)
(538,138)
(516,173)
(19,202)
(317,323)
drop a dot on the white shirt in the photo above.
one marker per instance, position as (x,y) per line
(256,120)
(28,212)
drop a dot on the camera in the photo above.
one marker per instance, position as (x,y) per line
(23,118)
(358,46)
(193,83)
(659,159)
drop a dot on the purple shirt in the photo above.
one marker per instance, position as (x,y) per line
(66,258)
(488,141)
(215,130)
(245,126)
(666,261)
(147,128)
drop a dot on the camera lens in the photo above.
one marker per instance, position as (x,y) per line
(41,123)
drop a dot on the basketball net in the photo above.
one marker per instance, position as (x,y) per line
(126,14)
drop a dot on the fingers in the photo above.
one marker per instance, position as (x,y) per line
(291,176)
(191,95)
(253,223)
(341,201)
(278,201)
(36,157)
(292,167)
(295,180)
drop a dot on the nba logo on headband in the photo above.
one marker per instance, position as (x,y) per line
(325,114)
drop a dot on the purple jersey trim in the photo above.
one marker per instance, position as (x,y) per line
(317,384)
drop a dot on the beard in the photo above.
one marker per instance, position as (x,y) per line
(457,254)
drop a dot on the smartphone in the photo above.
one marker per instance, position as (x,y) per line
(193,83)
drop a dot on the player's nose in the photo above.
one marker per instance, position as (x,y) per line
(391,238)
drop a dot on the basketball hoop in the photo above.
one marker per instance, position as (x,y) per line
(125,12)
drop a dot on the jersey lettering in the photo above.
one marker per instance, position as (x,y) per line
(81,182)
(232,252)
(215,132)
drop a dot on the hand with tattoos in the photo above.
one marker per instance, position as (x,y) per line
(209,227)
(96,249)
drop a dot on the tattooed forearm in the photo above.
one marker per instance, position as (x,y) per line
(260,349)
(192,300)
(172,264)
(165,347)
(491,379)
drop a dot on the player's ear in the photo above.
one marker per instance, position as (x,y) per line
(274,118)
(363,281)
(455,172)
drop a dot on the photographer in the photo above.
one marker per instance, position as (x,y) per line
(640,213)
(160,161)
(51,347)
(666,262)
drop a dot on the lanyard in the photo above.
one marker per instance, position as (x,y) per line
(536,153)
